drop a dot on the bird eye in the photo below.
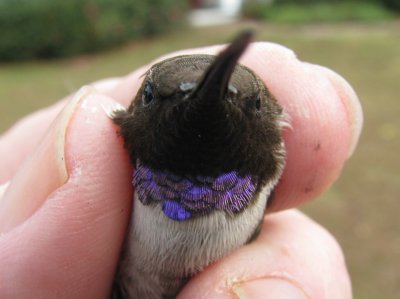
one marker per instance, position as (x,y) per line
(258,103)
(148,94)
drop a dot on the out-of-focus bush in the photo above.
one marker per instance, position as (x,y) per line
(54,28)
(303,11)
(392,4)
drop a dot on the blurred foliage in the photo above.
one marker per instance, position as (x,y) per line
(303,11)
(392,4)
(53,28)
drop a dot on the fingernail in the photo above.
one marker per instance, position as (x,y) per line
(42,173)
(3,188)
(111,109)
(350,100)
(268,288)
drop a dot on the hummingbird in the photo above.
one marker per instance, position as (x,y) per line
(204,137)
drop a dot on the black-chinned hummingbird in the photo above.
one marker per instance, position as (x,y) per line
(204,136)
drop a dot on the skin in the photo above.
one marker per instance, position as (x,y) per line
(66,196)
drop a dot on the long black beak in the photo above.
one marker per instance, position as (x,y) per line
(215,81)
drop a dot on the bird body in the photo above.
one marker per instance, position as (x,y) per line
(163,254)
(203,134)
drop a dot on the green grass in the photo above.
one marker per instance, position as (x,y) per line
(362,207)
(317,12)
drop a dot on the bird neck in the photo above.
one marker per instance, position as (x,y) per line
(185,197)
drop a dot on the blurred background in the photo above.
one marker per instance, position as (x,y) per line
(49,48)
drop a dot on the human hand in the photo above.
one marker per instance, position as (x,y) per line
(64,214)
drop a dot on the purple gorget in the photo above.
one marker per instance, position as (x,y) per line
(185,197)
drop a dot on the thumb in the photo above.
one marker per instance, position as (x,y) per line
(64,214)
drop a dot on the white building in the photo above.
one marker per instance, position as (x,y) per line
(211,12)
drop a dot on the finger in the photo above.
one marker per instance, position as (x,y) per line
(292,258)
(69,204)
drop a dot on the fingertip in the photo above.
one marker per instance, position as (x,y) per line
(325,122)
(350,101)
(99,167)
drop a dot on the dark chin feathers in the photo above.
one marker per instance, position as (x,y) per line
(202,147)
